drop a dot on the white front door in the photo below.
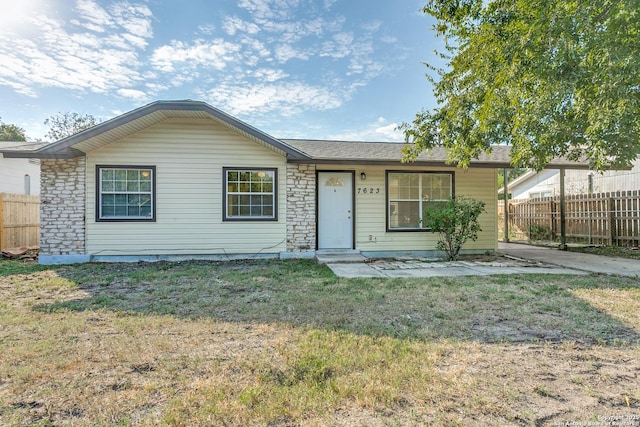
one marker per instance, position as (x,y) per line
(335,210)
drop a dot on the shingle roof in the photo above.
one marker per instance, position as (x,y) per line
(26,146)
(295,150)
(389,153)
(7,148)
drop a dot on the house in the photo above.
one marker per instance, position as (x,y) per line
(19,176)
(546,183)
(182,179)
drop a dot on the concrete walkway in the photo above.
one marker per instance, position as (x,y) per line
(518,259)
(354,265)
(573,260)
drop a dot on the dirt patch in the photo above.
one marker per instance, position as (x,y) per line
(566,382)
(279,343)
(630,252)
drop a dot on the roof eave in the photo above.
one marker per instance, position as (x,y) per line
(431,163)
(67,153)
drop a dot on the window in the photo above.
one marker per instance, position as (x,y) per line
(540,194)
(250,194)
(410,193)
(125,193)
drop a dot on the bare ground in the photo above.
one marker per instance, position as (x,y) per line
(109,363)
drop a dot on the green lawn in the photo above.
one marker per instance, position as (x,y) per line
(286,343)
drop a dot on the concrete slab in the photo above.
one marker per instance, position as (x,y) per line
(352,270)
(573,260)
(393,270)
(430,272)
(406,273)
(524,259)
(334,258)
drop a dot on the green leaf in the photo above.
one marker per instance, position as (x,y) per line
(553,78)
(456,221)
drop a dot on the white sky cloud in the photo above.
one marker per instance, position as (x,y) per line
(251,58)
(133,18)
(93,17)
(136,95)
(329,3)
(216,53)
(286,98)
(389,132)
(268,9)
(269,75)
(233,24)
(206,29)
(285,52)
(380,131)
(372,26)
(341,45)
(102,50)
(102,57)
(154,88)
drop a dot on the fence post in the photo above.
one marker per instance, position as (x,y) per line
(506,205)
(553,210)
(588,206)
(2,234)
(635,222)
(612,219)
(563,213)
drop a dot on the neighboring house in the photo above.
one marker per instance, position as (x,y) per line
(19,176)
(547,182)
(181,179)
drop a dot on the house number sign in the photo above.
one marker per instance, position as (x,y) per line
(368,190)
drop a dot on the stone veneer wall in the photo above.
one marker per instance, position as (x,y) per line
(62,206)
(301,207)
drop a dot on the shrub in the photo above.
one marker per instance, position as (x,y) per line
(540,232)
(456,220)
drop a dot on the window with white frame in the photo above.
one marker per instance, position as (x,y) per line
(125,193)
(250,194)
(409,194)
(539,194)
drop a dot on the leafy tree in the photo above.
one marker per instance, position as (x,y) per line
(550,78)
(456,221)
(10,132)
(511,175)
(66,124)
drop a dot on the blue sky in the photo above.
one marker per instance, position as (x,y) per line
(320,69)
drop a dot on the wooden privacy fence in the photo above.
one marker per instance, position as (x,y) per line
(19,220)
(601,219)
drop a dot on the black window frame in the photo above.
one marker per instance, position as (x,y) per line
(419,229)
(226,217)
(99,193)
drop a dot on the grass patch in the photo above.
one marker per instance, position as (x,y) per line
(288,343)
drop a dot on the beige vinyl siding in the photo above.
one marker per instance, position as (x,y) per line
(371,209)
(189,155)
